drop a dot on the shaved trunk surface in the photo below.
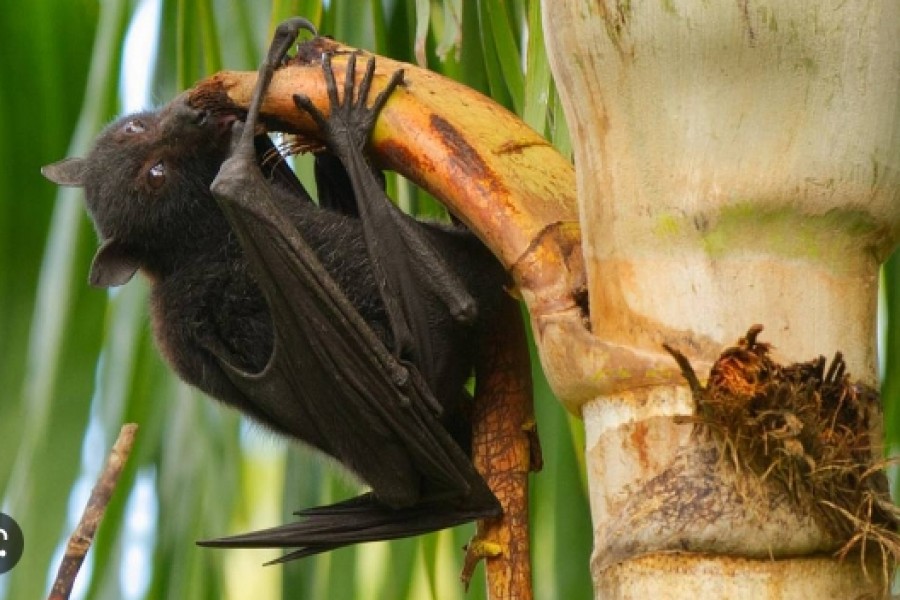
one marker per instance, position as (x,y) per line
(737,163)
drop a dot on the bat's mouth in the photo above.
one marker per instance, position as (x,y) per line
(222,123)
(220,110)
(219,125)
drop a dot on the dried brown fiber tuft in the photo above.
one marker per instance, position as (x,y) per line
(807,431)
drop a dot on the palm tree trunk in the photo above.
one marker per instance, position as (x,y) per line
(736,164)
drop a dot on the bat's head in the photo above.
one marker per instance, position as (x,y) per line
(146,182)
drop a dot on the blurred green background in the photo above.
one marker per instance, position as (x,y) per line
(78,362)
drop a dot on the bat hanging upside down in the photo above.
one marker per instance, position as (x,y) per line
(348,326)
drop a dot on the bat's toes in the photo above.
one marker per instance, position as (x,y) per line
(303,102)
(396,79)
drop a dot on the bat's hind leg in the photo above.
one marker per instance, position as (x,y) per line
(346,131)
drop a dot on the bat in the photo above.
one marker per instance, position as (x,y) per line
(349,327)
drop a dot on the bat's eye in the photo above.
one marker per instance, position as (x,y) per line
(201,118)
(156,176)
(134,127)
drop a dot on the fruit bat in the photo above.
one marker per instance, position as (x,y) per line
(348,326)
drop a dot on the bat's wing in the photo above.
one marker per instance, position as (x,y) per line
(332,383)
(329,374)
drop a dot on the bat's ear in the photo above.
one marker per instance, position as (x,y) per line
(113,265)
(68,171)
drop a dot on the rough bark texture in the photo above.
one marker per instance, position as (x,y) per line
(505,451)
(736,163)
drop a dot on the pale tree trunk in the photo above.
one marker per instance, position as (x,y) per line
(737,163)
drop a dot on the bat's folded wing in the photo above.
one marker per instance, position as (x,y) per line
(332,383)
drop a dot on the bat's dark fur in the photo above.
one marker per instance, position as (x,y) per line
(174,231)
(147,182)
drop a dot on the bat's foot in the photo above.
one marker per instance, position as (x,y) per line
(349,125)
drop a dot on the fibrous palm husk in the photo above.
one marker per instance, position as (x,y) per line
(804,430)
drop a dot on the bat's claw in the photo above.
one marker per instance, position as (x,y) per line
(285,35)
(382,98)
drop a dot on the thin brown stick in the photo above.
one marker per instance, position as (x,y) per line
(505,449)
(83,535)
